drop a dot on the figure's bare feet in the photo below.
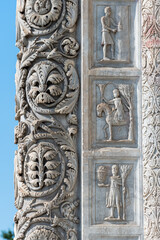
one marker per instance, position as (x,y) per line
(106,59)
(109,218)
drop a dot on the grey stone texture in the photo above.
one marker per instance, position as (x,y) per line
(47,92)
(105,183)
(112,194)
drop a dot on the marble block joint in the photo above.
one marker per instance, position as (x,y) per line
(47,92)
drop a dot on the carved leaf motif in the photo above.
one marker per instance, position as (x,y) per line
(50,155)
(72,157)
(72,130)
(49,182)
(33,174)
(33,156)
(28,57)
(44,98)
(52,165)
(70,46)
(72,119)
(72,13)
(33,92)
(33,165)
(67,105)
(24,25)
(52,174)
(70,180)
(34,182)
(64,140)
(55,78)
(55,90)
(72,235)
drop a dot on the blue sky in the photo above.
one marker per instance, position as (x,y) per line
(8,53)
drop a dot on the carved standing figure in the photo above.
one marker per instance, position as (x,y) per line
(114,198)
(107,23)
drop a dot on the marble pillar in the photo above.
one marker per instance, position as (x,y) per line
(151,117)
(47,90)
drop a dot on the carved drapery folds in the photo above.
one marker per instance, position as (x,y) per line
(151,117)
(47,91)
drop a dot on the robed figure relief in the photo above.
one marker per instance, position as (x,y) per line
(116,196)
(109,29)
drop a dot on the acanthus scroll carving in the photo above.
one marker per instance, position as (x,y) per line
(151,116)
(47,91)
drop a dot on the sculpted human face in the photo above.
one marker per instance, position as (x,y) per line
(116,93)
(114,170)
(108,12)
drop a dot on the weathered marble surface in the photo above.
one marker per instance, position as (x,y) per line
(47,92)
(111,136)
(113,175)
(151,117)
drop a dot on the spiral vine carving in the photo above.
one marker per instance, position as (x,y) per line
(151,117)
(47,92)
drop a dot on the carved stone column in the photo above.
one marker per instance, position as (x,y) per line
(47,91)
(151,117)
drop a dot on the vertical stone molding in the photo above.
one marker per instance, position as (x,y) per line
(112,198)
(151,117)
(47,92)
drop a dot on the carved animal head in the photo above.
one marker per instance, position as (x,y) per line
(100,109)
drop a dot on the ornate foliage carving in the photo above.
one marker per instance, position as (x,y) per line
(47,91)
(151,116)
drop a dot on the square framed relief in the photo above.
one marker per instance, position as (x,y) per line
(115,197)
(113,112)
(113,34)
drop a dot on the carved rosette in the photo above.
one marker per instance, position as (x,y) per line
(47,91)
(151,117)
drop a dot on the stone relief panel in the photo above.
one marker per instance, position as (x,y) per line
(114,191)
(113,33)
(114,112)
(116,197)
